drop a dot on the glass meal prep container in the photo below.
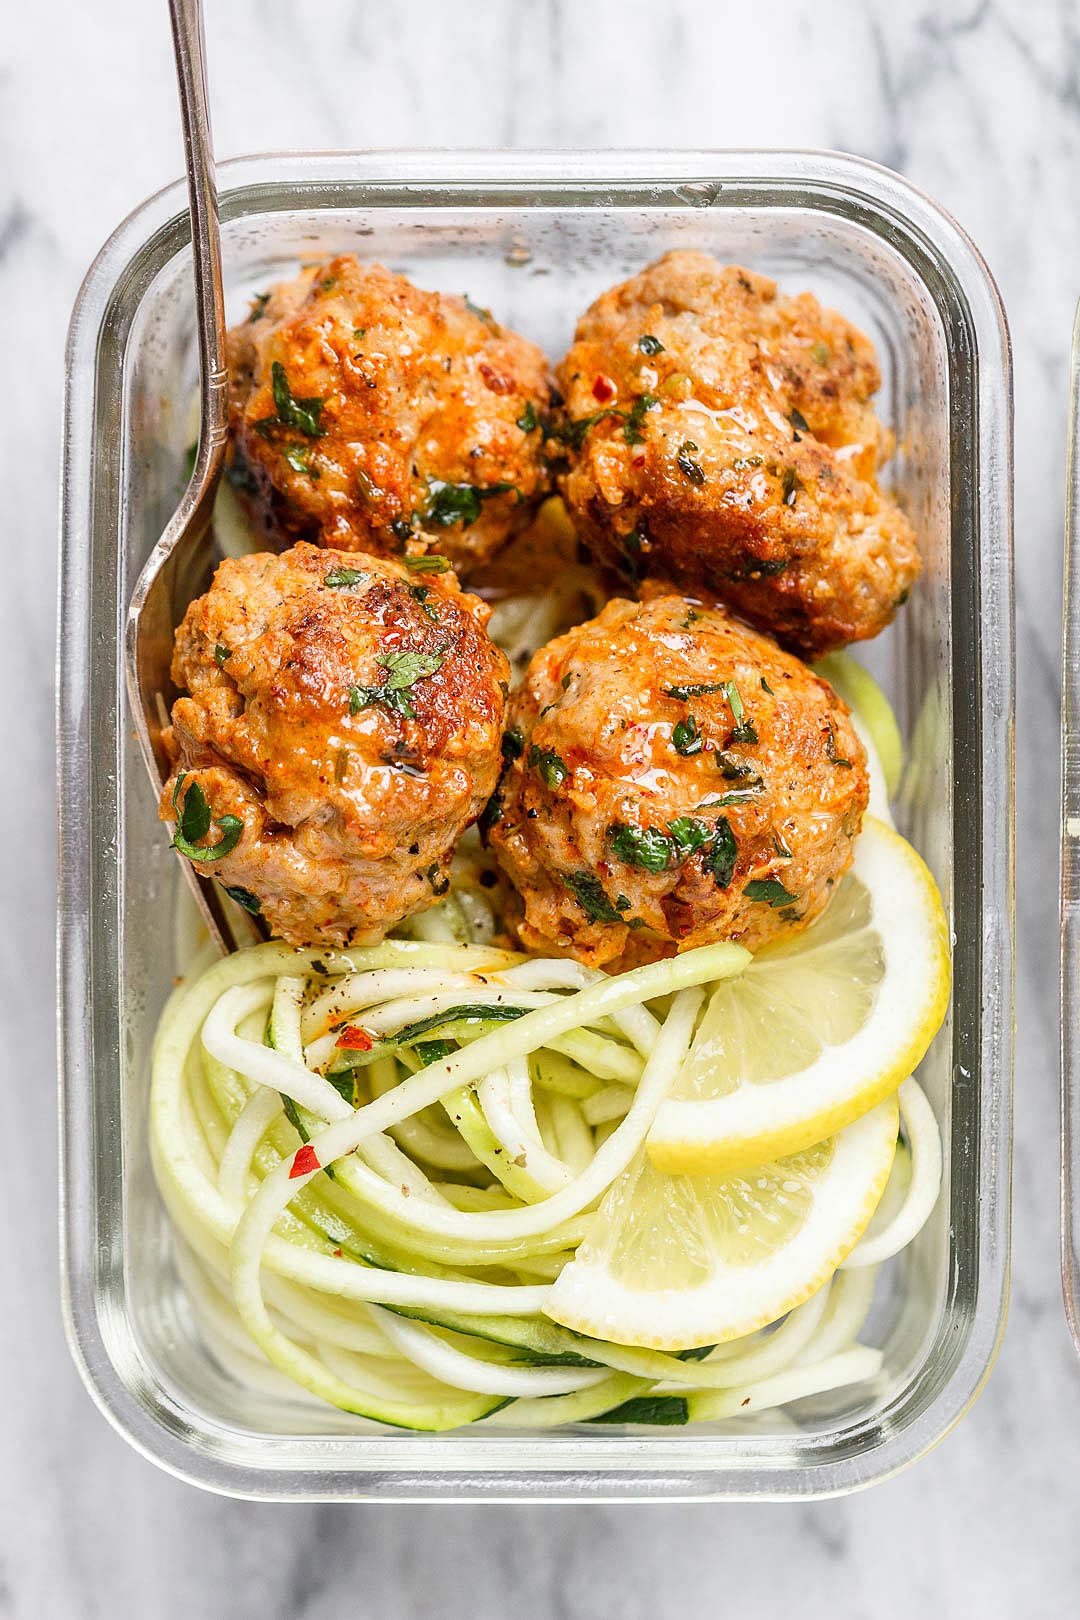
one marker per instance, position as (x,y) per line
(536,237)
(1070,870)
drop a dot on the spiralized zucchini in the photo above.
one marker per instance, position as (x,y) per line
(378,1228)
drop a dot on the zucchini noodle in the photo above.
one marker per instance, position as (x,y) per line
(377,1225)
(924,1183)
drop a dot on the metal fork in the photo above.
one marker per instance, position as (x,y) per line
(179,566)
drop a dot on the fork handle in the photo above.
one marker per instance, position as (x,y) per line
(189,49)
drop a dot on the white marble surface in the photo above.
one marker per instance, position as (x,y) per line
(978,103)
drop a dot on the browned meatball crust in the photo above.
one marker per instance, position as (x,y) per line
(348,713)
(372,416)
(722,436)
(675,778)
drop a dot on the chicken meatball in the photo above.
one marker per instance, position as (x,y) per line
(723,437)
(673,779)
(371,416)
(340,730)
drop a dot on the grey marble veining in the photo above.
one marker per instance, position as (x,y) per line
(977,102)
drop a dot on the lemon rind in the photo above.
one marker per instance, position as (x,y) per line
(741,1129)
(739,1300)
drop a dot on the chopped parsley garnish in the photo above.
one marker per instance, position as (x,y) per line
(762,568)
(632,424)
(408,1034)
(401,530)
(490,814)
(654,850)
(302,414)
(258,307)
(457,503)
(765,687)
(830,750)
(781,848)
(792,485)
(573,433)
(221,653)
(734,769)
(691,470)
(631,552)
(798,421)
(820,353)
(405,669)
(741,463)
(689,835)
(431,563)
(551,770)
(695,689)
(528,420)
(649,344)
(513,744)
(686,738)
(420,595)
(193,823)
(771,892)
(244,897)
(299,459)
(744,795)
(722,853)
(484,315)
(589,894)
(358,333)
(744,731)
(648,847)
(343,578)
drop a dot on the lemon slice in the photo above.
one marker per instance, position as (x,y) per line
(819,1029)
(674,1262)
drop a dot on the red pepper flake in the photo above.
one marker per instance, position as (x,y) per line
(604,389)
(339,1254)
(746,1402)
(355,1039)
(496,382)
(304,1162)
